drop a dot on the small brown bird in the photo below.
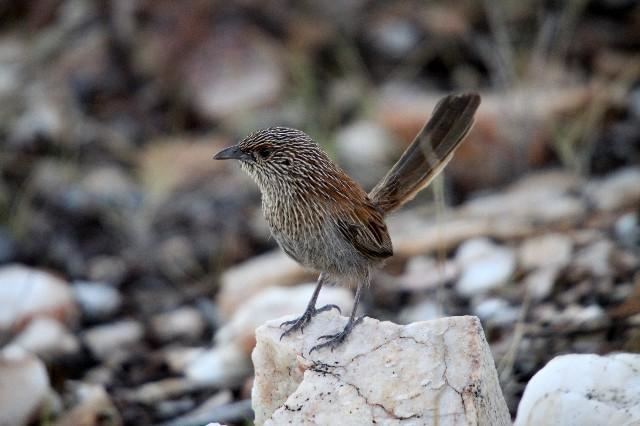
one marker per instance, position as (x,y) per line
(325,220)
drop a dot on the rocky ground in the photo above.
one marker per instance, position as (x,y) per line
(134,269)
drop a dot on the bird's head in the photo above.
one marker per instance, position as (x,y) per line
(276,155)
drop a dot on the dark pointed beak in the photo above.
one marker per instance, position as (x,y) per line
(233,152)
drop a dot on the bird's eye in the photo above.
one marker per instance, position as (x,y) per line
(286,162)
(264,152)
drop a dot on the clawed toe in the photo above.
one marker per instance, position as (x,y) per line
(335,340)
(288,322)
(302,321)
(296,324)
(328,336)
(328,308)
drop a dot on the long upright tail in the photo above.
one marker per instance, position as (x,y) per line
(429,153)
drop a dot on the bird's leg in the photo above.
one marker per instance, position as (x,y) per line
(310,312)
(335,340)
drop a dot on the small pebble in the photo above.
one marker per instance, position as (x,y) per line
(98,301)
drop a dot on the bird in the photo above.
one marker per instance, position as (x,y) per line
(325,220)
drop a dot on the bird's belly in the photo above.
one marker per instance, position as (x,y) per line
(322,251)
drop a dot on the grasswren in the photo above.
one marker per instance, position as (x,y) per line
(325,220)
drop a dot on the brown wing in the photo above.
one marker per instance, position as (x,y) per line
(365,229)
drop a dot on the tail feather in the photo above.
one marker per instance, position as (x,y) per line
(429,153)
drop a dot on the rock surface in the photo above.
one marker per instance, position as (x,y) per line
(97,300)
(24,386)
(243,281)
(105,340)
(433,372)
(47,338)
(485,266)
(583,390)
(274,303)
(26,293)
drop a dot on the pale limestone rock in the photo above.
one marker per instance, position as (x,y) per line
(97,300)
(496,312)
(366,150)
(434,372)
(594,259)
(183,322)
(540,282)
(583,390)
(274,303)
(618,190)
(246,279)
(47,338)
(580,316)
(546,250)
(24,386)
(162,390)
(414,235)
(426,272)
(485,266)
(221,366)
(26,293)
(424,310)
(105,340)
(541,197)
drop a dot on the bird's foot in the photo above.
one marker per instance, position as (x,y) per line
(335,340)
(305,318)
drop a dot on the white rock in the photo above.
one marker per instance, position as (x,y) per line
(162,390)
(618,190)
(542,197)
(540,282)
(594,259)
(423,311)
(97,300)
(102,375)
(435,372)
(576,315)
(394,36)
(424,272)
(583,390)
(365,148)
(177,358)
(496,311)
(413,235)
(104,340)
(47,338)
(546,250)
(244,280)
(274,303)
(485,266)
(184,322)
(222,366)
(24,386)
(627,228)
(26,293)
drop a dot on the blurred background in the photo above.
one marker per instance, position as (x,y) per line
(134,268)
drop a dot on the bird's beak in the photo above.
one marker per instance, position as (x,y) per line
(233,152)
